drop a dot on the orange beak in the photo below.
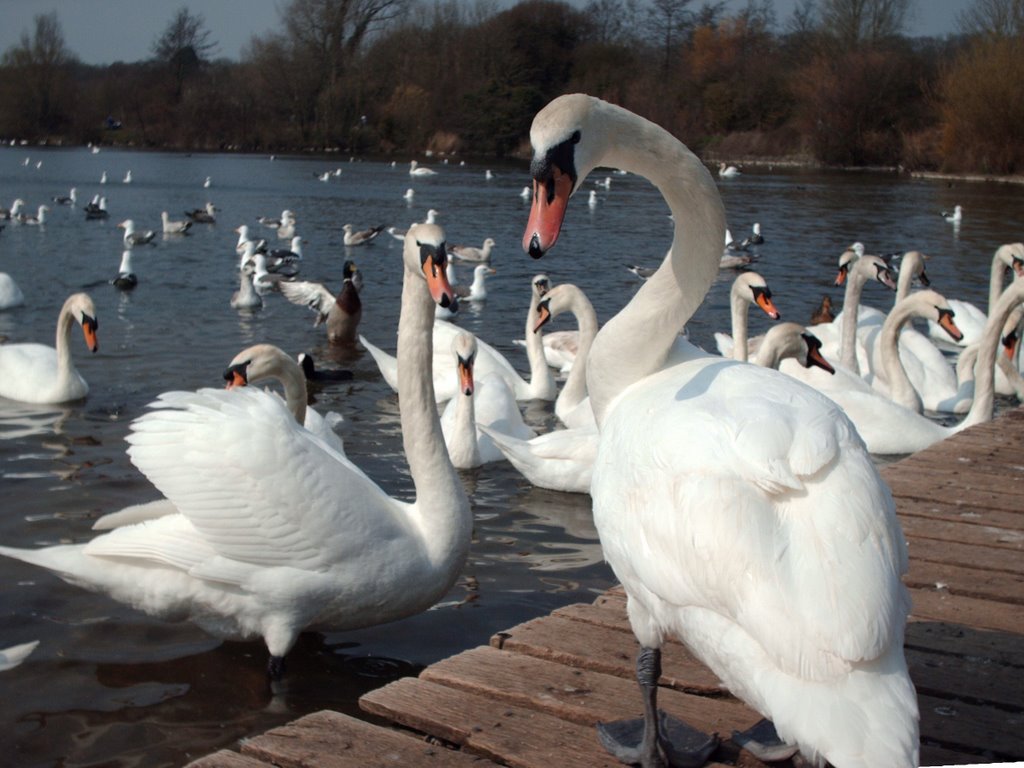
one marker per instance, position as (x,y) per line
(550,199)
(841,277)
(437,281)
(236,379)
(465,377)
(89,332)
(1018,266)
(543,316)
(765,303)
(1010,344)
(946,321)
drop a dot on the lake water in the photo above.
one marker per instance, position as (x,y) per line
(109,686)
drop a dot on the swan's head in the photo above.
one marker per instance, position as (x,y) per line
(464,347)
(260,361)
(1012,255)
(933,306)
(556,301)
(751,287)
(813,357)
(914,261)
(568,137)
(84,311)
(425,253)
(846,260)
(541,285)
(875,268)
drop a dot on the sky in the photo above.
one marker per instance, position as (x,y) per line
(105,31)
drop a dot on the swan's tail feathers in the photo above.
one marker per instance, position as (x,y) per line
(387,364)
(869,718)
(67,561)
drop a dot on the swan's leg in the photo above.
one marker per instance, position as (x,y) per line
(764,743)
(655,740)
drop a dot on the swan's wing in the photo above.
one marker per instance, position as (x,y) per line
(388,364)
(312,295)
(136,513)
(258,489)
(754,498)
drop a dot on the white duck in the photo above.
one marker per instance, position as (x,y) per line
(479,403)
(969,318)
(890,428)
(477,290)
(10,294)
(472,253)
(306,541)
(540,385)
(174,227)
(765,540)
(134,237)
(36,373)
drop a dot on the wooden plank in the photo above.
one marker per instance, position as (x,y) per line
(996,463)
(516,736)
(227,759)
(967,582)
(974,556)
(1000,648)
(958,725)
(940,605)
(928,527)
(957,677)
(605,650)
(976,499)
(963,476)
(332,740)
(579,696)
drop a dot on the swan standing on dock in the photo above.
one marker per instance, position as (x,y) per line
(765,540)
(36,373)
(306,541)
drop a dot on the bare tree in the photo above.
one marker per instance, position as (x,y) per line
(994,18)
(804,20)
(855,22)
(668,20)
(40,64)
(184,46)
(612,21)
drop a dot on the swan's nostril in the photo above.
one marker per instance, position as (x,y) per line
(535,250)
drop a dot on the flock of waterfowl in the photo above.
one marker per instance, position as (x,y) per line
(737,503)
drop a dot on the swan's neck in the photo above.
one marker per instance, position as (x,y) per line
(984,368)
(906,277)
(294,382)
(636,342)
(540,374)
(463,436)
(441,509)
(575,388)
(65,368)
(995,281)
(739,325)
(901,391)
(848,335)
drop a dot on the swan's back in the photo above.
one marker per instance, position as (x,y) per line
(770,546)
(29,373)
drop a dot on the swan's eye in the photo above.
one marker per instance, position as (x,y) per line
(576,136)
(761,291)
(90,322)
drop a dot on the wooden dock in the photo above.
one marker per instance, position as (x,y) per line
(531,697)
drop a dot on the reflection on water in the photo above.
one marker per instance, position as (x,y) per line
(110,686)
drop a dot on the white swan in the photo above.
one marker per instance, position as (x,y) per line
(540,385)
(10,294)
(890,428)
(728,171)
(265,361)
(415,169)
(486,402)
(304,541)
(748,288)
(955,217)
(970,319)
(841,343)
(738,507)
(36,373)
(472,253)
(127,177)
(572,407)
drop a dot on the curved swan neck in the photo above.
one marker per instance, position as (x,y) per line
(903,282)
(441,504)
(575,387)
(740,308)
(664,304)
(540,373)
(294,382)
(463,435)
(65,320)
(984,368)
(901,389)
(995,281)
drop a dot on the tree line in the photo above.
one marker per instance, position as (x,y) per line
(838,82)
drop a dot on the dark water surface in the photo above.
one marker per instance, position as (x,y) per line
(109,686)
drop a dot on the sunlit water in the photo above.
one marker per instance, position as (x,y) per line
(109,686)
